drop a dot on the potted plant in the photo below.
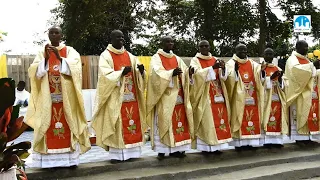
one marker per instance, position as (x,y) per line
(11,127)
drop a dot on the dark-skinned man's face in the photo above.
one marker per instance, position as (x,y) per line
(204,48)
(117,40)
(20,87)
(241,51)
(55,35)
(303,49)
(268,56)
(168,44)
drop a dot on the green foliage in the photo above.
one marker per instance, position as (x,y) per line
(303,7)
(224,23)
(212,20)
(315,47)
(2,34)
(88,24)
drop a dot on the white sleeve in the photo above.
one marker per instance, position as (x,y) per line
(64,68)
(211,76)
(41,70)
(236,78)
(268,82)
(225,76)
(119,81)
(262,78)
(192,80)
(144,74)
(171,84)
(282,83)
(314,70)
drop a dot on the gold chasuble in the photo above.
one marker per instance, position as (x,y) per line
(56,110)
(119,113)
(168,101)
(246,98)
(275,121)
(209,99)
(301,86)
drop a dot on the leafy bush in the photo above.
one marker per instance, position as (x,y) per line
(11,127)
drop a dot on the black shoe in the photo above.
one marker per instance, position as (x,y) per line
(268,146)
(310,143)
(300,143)
(205,153)
(238,149)
(115,161)
(217,152)
(247,148)
(178,154)
(175,154)
(279,146)
(253,148)
(160,156)
(182,154)
(73,167)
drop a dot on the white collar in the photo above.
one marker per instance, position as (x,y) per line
(116,51)
(242,61)
(165,54)
(201,56)
(61,46)
(299,55)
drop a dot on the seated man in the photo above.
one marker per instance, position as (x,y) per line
(22,98)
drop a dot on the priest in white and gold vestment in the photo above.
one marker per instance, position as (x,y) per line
(119,113)
(56,110)
(168,106)
(210,102)
(246,94)
(301,80)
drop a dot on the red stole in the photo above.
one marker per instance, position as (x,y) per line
(58,136)
(218,109)
(131,124)
(179,118)
(250,120)
(313,118)
(274,122)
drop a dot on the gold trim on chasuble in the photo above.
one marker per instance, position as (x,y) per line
(249,100)
(216,87)
(128,95)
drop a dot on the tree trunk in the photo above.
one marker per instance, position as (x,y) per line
(262,26)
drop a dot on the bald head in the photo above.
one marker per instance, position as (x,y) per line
(268,50)
(241,51)
(115,33)
(268,55)
(117,39)
(204,42)
(302,47)
(241,46)
(204,47)
(167,43)
(166,38)
(56,27)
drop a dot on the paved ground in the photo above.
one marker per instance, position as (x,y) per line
(97,154)
(290,163)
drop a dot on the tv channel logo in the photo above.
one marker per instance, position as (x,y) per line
(302,23)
